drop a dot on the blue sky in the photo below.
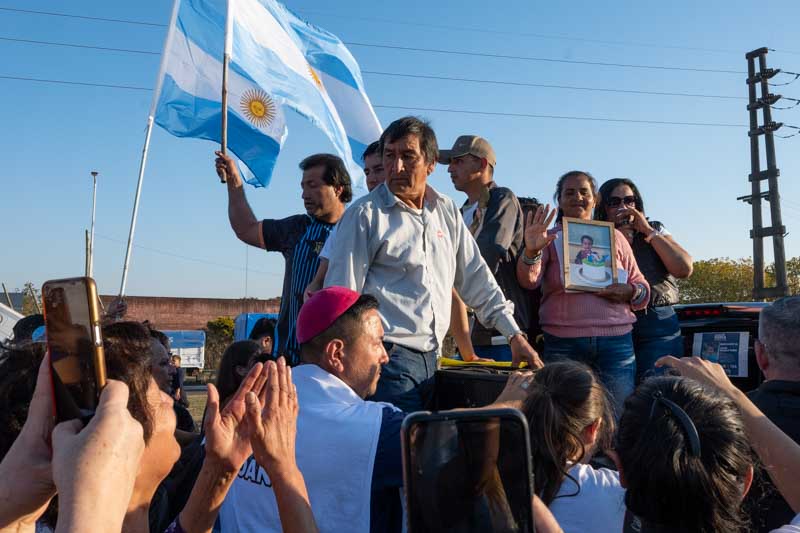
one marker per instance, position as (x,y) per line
(54,135)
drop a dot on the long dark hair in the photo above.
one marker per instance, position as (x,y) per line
(564,399)
(127,350)
(666,482)
(605,194)
(237,354)
(560,187)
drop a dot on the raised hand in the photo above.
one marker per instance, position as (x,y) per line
(26,479)
(517,389)
(273,417)
(227,431)
(637,219)
(226,168)
(536,224)
(699,369)
(94,468)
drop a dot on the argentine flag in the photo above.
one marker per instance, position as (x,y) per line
(190,102)
(277,60)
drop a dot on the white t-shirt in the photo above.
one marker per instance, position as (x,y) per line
(325,253)
(599,506)
(468,212)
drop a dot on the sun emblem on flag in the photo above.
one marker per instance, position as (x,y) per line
(258,107)
(315,77)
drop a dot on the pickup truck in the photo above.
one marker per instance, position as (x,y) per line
(724,333)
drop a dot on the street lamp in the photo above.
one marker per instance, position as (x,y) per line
(91,238)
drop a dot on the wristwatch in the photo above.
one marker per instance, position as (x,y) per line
(518,332)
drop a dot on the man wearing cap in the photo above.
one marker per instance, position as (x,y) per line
(407,244)
(348,449)
(494,217)
(299,238)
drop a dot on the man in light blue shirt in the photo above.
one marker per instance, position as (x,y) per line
(407,244)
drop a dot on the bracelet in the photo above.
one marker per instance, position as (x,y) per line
(652,234)
(639,295)
(533,260)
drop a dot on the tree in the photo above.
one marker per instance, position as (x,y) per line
(219,335)
(731,280)
(719,280)
(29,292)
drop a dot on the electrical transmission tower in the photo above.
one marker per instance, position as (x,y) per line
(776,230)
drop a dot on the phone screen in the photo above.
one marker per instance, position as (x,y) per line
(468,474)
(69,325)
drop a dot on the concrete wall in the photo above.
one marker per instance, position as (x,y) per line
(190,313)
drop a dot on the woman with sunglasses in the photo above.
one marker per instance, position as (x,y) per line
(661,259)
(591,327)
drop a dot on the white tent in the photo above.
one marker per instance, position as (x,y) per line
(8,317)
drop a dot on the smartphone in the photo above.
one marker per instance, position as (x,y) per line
(467,470)
(75,344)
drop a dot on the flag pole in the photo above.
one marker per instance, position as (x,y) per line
(226,58)
(145,148)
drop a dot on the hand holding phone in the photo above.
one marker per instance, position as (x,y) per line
(75,345)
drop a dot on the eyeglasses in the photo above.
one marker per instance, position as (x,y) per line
(615,201)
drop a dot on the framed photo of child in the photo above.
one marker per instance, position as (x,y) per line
(590,258)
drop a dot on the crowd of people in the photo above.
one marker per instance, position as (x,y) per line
(302,429)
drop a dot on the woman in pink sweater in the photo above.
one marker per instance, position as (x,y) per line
(591,327)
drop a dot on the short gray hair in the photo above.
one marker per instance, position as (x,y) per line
(779,330)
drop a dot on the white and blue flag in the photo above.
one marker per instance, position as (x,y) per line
(276,60)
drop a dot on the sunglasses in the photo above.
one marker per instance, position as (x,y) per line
(615,201)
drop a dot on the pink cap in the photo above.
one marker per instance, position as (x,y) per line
(322,310)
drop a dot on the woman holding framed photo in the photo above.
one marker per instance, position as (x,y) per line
(591,325)
(662,261)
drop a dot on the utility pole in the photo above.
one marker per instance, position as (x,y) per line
(776,230)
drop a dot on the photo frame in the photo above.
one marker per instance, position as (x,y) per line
(589,254)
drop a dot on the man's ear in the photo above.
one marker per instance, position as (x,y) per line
(761,356)
(431,167)
(332,357)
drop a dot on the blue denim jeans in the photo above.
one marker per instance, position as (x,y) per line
(500,352)
(656,333)
(407,379)
(611,357)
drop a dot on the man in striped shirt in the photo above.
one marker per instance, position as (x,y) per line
(326,189)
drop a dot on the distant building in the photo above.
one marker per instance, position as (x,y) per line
(190,313)
(16,300)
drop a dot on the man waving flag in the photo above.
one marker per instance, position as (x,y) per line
(277,60)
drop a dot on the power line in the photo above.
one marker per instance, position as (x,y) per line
(72,45)
(434,51)
(84,17)
(418,24)
(534,35)
(549,86)
(519,34)
(796,133)
(563,117)
(65,82)
(186,257)
(544,59)
(419,76)
(431,109)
